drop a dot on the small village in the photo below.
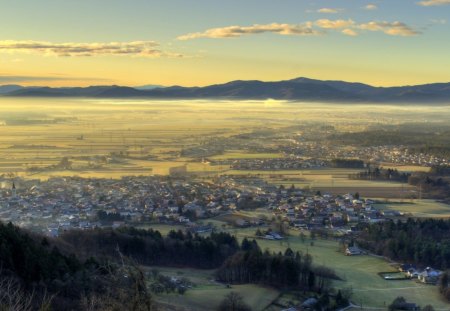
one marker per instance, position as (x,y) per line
(60,204)
(70,202)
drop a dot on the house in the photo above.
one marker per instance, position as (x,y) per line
(406,267)
(352,251)
(429,276)
(412,273)
(276,236)
(407,306)
(269,237)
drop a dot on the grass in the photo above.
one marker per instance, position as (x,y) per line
(162,228)
(360,273)
(333,180)
(207,294)
(406,168)
(418,208)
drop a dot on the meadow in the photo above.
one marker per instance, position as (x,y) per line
(206,294)
(418,208)
(359,274)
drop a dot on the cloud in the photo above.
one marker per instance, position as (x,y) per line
(433,2)
(238,31)
(439,21)
(334,24)
(19,79)
(349,32)
(329,10)
(370,7)
(390,28)
(319,27)
(134,48)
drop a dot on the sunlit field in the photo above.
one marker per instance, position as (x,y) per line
(113,138)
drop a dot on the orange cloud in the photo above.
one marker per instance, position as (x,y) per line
(134,48)
(329,10)
(319,27)
(433,2)
(390,28)
(238,31)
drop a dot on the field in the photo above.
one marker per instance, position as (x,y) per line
(40,138)
(112,138)
(406,168)
(207,294)
(244,155)
(333,180)
(360,273)
(418,208)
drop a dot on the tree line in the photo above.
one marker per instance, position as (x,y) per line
(288,270)
(149,247)
(36,275)
(347,163)
(434,184)
(424,242)
(382,174)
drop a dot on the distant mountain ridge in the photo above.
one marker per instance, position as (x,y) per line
(299,89)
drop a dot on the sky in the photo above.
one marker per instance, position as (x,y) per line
(203,42)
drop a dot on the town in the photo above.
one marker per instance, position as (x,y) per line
(64,203)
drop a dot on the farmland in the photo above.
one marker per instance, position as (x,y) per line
(148,137)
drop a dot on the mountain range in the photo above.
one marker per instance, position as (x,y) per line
(299,89)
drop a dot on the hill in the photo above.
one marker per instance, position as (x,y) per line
(299,89)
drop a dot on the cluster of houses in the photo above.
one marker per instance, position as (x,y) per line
(378,154)
(329,211)
(72,202)
(292,163)
(427,275)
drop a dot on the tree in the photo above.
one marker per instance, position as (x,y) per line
(65,163)
(428,308)
(341,301)
(258,232)
(443,282)
(233,302)
(398,302)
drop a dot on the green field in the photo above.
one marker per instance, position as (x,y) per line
(162,228)
(359,273)
(207,294)
(418,208)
